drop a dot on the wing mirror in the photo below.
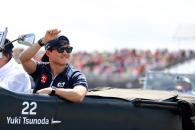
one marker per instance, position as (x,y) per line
(26,39)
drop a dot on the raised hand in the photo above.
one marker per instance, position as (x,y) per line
(51,34)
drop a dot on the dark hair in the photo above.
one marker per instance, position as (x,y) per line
(7,51)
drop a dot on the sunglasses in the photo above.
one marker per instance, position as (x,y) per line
(68,49)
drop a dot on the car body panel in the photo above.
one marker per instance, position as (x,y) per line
(97,111)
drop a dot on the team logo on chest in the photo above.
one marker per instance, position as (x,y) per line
(60,84)
(44,78)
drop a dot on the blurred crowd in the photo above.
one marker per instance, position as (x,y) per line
(124,65)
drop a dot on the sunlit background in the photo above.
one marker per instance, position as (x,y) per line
(102,24)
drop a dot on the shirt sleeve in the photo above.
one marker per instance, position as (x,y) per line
(79,79)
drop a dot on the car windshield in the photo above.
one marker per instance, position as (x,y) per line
(182,83)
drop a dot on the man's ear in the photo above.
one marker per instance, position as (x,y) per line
(48,53)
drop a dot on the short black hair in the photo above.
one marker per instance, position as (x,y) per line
(8,48)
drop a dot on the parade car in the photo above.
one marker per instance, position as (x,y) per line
(102,109)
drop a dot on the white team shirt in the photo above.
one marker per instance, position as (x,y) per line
(14,78)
